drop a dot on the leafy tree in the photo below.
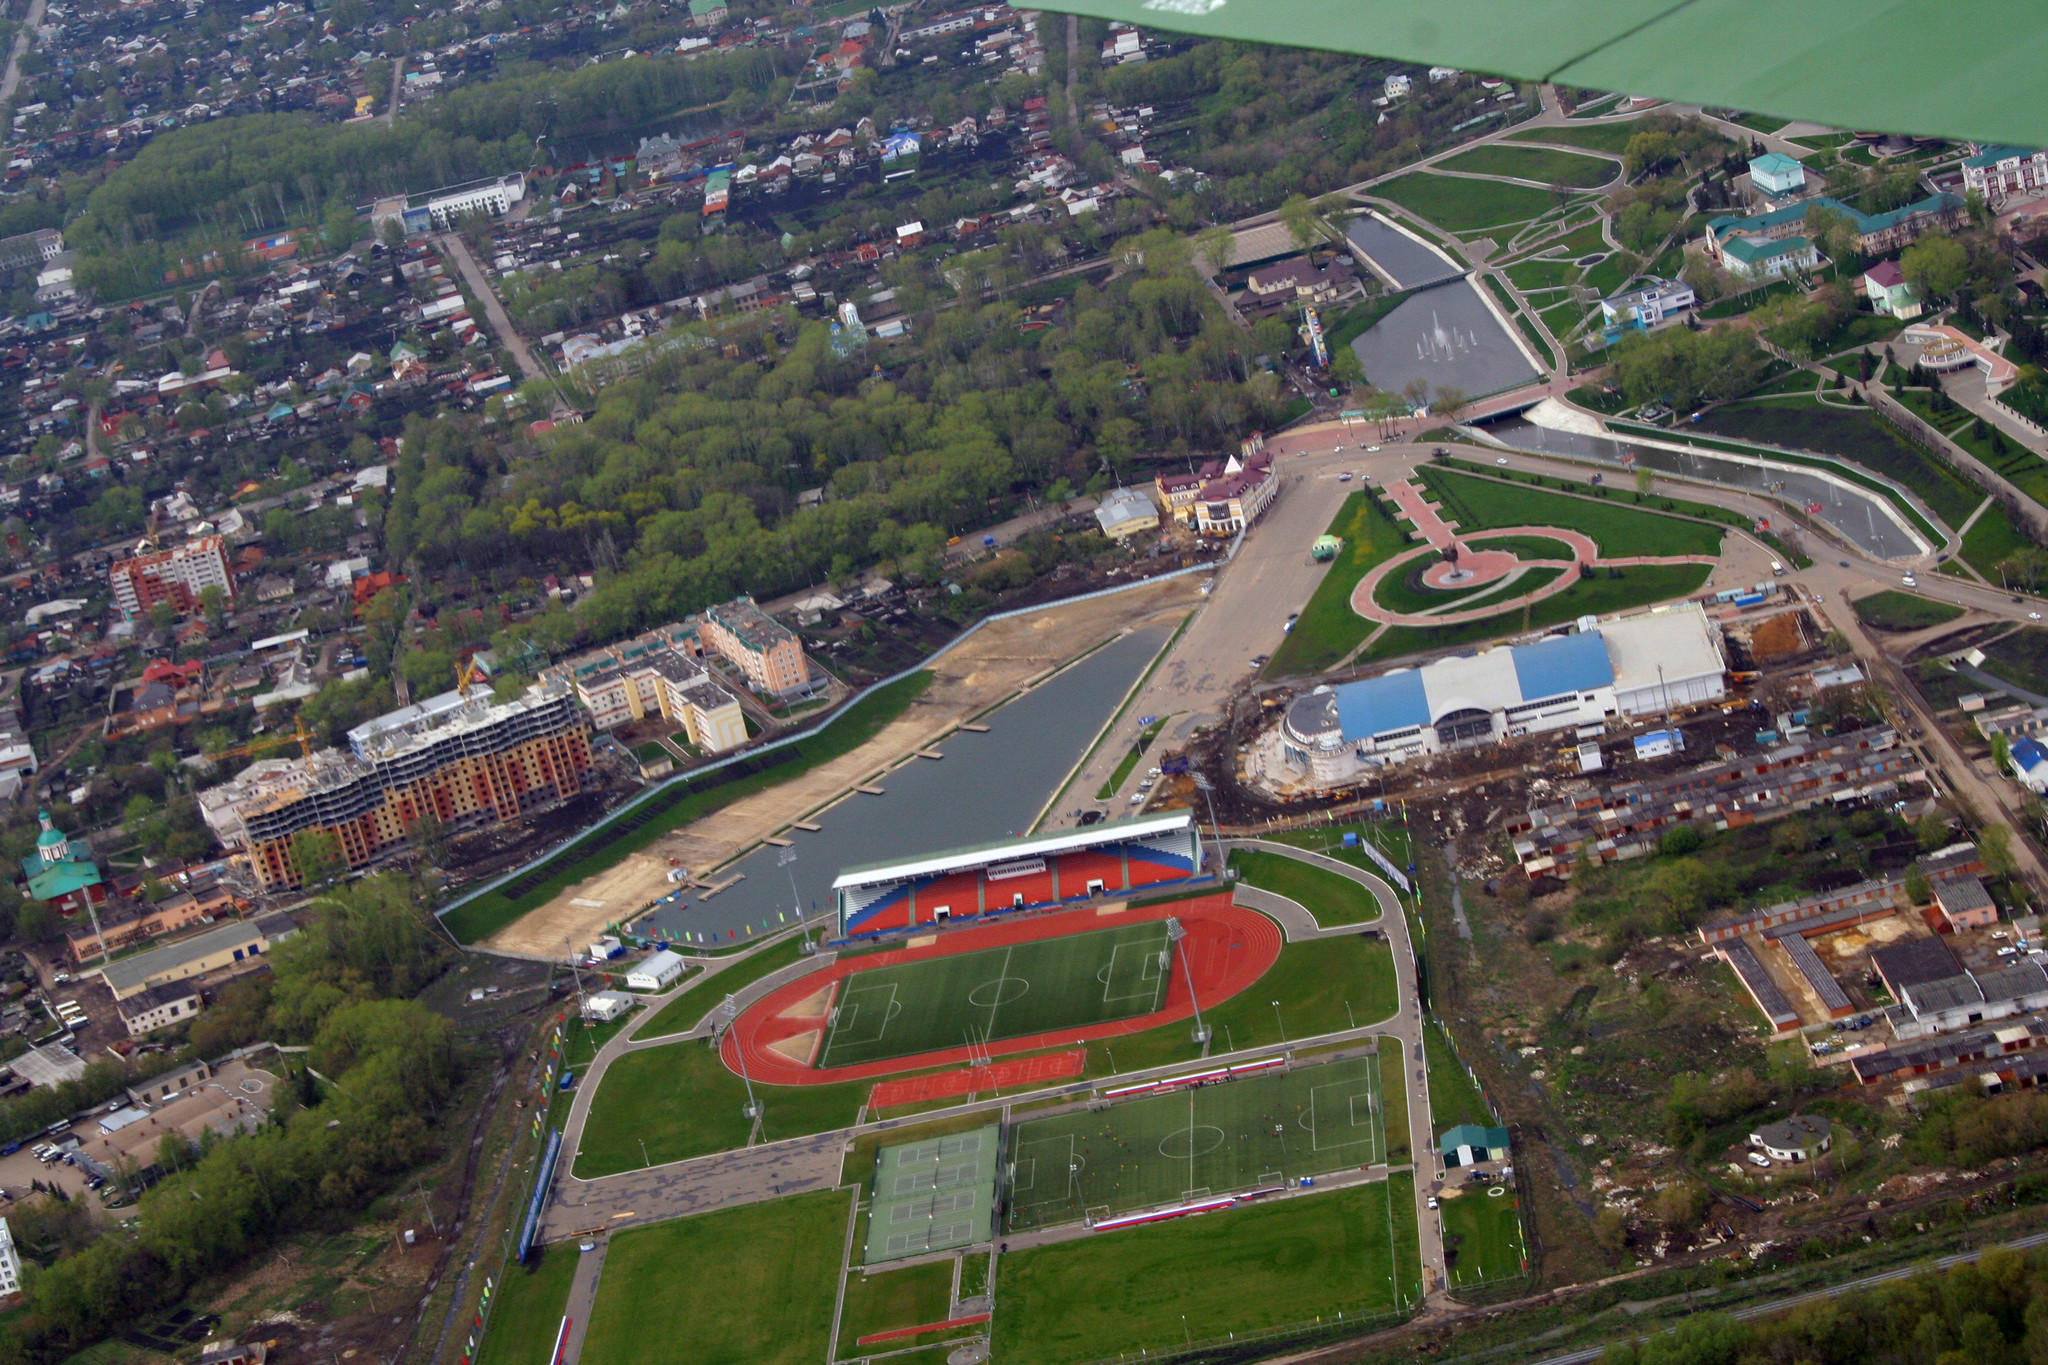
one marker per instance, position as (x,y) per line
(1995,843)
(316,853)
(1936,265)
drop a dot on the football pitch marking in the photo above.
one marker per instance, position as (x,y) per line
(857,1022)
(998,991)
(1185,1144)
(1335,1107)
(1119,983)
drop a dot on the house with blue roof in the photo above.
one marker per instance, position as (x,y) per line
(2028,759)
(1878,234)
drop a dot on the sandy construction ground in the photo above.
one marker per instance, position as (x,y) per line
(999,660)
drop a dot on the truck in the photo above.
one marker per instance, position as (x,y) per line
(1777,569)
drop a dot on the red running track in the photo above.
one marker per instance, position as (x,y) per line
(1228,948)
(941,1085)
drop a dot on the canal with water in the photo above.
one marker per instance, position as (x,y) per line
(988,786)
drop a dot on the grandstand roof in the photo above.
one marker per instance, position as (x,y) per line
(1032,846)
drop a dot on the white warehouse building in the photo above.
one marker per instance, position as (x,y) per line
(1640,666)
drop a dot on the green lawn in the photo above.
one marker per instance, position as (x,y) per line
(687,1010)
(1390,836)
(528,1313)
(893,1299)
(1453,1097)
(1549,273)
(1405,591)
(1512,589)
(994,994)
(1324,985)
(1464,205)
(1596,596)
(1393,1060)
(1328,628)
(1894,610)
(676,806)
(1524,547)
(1153,1288)
(1483,1236)
(1991,538)
(1477,503)
(1854,434)
(1332,899)
(1540,164)
(753,1284)
(1735,305)
(1611,137)
(1149,1152)
(1611,274)
(2020,658)
(682,1101)
(1762,123)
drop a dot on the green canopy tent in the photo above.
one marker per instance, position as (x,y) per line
(1875,65)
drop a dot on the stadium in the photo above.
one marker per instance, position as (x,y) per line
(1116,858)
(979,992)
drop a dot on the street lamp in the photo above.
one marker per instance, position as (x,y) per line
(783,859)
(1208,790)
(731,1010)
(1175,934)
(1277,1019)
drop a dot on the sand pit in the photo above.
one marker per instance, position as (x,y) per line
(801,1048)
(813,1006)
(1001,658)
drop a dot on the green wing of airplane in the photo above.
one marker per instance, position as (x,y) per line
(1975,72)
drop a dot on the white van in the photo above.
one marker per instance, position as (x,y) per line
(1777,569)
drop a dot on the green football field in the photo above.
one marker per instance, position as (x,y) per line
(1220,1138)
(996,993)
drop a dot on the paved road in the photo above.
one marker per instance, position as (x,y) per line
(582,1297)
(11,82)
(480,285)
(1271,577)
(1407,1027)
(746,1176)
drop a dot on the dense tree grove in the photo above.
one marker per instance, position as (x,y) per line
(1684,368)
(682,487)
(1994,1312)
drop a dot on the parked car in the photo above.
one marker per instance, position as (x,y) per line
(1758,1159)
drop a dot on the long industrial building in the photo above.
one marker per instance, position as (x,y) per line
(462,758)
(1642,665)
(1019,874)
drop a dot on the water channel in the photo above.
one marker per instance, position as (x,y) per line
(1859,517)
(987,787)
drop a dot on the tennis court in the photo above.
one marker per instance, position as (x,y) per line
(1216,1139)
(1014,991)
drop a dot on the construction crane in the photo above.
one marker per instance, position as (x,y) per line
(262,744)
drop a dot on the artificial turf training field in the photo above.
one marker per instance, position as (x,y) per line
(996,993)
(1214,1140)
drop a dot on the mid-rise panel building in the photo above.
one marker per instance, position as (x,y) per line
(177,576)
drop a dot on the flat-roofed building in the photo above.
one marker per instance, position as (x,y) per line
(463,758)
(222,951)
(761,647)
(176,576)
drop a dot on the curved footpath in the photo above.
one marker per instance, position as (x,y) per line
(751,1174)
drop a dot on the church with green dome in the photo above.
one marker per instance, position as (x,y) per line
(61,871)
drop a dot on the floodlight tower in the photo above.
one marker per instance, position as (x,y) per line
(731,1010)
(1177,934)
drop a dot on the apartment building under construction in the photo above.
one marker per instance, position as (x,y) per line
(462,758)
